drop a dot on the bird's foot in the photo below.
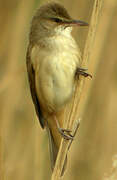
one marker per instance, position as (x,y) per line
(65,133)
(81,71)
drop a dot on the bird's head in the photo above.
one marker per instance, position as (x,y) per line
(51,18)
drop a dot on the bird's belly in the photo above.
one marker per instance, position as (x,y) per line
(57,67)
(63,85)
(55,84)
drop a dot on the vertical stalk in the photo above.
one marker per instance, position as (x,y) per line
(73,115)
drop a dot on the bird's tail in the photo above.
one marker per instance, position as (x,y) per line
(54,150)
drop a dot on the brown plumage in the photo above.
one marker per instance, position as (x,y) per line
(52,61)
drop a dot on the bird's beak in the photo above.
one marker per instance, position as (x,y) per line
(75,23)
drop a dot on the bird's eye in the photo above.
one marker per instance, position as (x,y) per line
(57,20)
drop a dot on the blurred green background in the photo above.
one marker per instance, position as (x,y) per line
(24,151)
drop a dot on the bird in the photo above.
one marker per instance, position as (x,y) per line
(53,62)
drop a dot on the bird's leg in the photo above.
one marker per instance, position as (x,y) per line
(75,129)
(65,133)
(81,71)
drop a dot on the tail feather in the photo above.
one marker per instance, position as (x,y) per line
(54,151)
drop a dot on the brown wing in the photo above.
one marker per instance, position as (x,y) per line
(31,77)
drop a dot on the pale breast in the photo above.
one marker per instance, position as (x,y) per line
(55,72)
